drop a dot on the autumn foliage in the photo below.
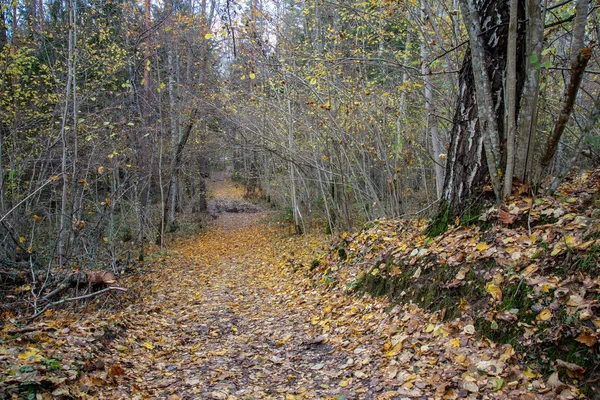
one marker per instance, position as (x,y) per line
(246,310)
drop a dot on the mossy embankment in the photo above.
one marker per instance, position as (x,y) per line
(526,274)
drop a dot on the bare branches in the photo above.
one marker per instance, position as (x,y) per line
(62,301)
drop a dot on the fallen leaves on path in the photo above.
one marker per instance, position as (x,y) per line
(232,314)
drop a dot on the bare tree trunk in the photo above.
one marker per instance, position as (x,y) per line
(572,89)
(511,98)
(63,231)
(589,126)
(432,123)
(483,94)
(581,13)
(174,137)
(147,44)
(41,15)
(467,165)
(527,119)
(580,56)
(176,162)
(295,209)
(4,131)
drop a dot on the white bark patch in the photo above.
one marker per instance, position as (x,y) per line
(471,131)
(493,41)
(477,165)
(485,24)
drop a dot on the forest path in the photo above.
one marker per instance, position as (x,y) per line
(233,314)
(225,320)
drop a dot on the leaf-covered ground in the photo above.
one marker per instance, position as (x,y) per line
(237,313)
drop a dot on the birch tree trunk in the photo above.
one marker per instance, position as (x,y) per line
(483,95)
(475,150)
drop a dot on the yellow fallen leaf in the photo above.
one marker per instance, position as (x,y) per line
(587,339)
(394,351)
(531,374)
(430,328)
(494,290)
(545,288)
(218,353)
(440,331)
(344,383)
(148,345)
(460,358)
(569,240)
(530,270)
(283,340)
(31,355)
(586,245)
(481,246)
(455,342)
(508,353)
(544,315)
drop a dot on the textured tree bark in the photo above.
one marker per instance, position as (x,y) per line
(466,167)
(527,117)
(511,98)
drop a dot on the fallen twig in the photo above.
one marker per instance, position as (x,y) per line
(85,296)
(25,329)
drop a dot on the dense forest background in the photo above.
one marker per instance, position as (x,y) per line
(113,113)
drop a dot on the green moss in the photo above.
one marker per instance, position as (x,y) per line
(439,224)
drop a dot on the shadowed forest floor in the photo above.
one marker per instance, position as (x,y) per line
(233,313)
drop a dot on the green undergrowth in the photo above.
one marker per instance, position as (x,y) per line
(443,219)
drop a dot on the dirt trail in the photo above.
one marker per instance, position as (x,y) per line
(224,321)
(226,317)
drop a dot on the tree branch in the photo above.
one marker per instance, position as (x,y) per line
(86,296)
